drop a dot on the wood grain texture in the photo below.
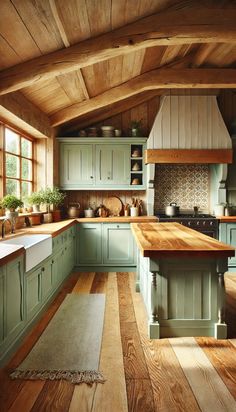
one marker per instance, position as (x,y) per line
(208,388)
(112,395)
(167,378)
(172,27)
(223,358)
(155,79)
(84,283)
(173,239)
(191,156)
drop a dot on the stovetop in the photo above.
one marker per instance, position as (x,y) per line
(186,216)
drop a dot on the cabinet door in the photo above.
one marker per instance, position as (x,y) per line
(33,292)
(113,165)
(76,165)
(231,240)
(2,298)
(89,245)
(47,279)
(14,297)
(118,245)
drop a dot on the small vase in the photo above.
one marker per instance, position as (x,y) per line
(47,217)
(36,208)
(56,214)
(11,215)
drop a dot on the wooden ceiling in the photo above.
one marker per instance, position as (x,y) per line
(73,60)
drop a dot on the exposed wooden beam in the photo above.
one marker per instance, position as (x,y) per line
(155,79)
(119,107)
(18,111)
(183,26)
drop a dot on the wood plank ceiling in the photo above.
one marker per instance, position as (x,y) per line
(181,34)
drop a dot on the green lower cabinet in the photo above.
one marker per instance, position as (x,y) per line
(33,292)
(227,234)
(105,244)
(57,265)
(89,246)
(47,279)
(118,245)
(14,304)
(2,297)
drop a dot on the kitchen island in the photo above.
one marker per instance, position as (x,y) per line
(180,274)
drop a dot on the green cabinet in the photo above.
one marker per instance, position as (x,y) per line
(33,293)
(89,246)
(112,164)
(104,163)
(227,234)
(24,295)
(14,303)
(2,298)
(76,165)
(105,244)
(118,245)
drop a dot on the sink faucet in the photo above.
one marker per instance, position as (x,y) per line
(3,226)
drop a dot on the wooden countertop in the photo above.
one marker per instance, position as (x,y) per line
(174,240)
(9,252)
(117,219)
(226,219)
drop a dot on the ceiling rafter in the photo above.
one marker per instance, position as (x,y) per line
(67,44)
(173,27)
(155,79)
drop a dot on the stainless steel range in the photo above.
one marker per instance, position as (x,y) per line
(203,223)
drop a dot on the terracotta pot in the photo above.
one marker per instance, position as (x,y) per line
(35,219)
(56,214)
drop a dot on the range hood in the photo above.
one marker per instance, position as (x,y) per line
(189,129)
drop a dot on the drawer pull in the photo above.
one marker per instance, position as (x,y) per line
(118,226)
(43,269)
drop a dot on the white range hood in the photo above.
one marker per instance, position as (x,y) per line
(189,129)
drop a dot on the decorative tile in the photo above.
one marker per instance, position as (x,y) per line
(187,185)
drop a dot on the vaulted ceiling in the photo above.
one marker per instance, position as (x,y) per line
(71,61)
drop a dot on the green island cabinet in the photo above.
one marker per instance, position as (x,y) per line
(105,244)
(24,295)
(227,234)
(104,163)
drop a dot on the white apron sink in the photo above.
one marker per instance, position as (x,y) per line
(37,248)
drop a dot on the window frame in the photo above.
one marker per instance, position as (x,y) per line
(19,156)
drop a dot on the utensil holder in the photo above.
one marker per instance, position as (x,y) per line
(134,211)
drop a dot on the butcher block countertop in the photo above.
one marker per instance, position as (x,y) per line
(174,240)
(226,219)
(118,219)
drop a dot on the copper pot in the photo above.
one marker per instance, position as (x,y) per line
(102,211)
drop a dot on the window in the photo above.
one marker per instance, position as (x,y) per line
(18,164)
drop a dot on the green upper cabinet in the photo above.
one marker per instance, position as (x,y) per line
(76,165)
(102,163)
(112,165)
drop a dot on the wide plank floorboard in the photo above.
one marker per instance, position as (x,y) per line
(142,375)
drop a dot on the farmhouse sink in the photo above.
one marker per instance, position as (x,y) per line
(37,248)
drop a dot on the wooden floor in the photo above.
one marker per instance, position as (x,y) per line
(167,375)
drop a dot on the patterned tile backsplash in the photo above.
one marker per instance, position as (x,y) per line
(187,185)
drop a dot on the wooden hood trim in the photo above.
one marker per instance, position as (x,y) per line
(188,156)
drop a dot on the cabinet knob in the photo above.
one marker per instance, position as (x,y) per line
(117,226)
(43,269)
(108,177)
(91,177)
(52,261)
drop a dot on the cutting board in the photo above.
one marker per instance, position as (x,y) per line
(114,205)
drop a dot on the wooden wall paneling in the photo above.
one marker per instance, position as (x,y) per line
(40,24)
(132,65)
(140,112)
(103,23)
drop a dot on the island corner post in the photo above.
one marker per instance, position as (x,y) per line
(180,274)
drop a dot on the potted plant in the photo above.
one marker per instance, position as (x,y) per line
(52,197)
(57,199)
(136,128)
(11,203)
(35,199)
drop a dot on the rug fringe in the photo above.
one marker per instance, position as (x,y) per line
(88,377)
